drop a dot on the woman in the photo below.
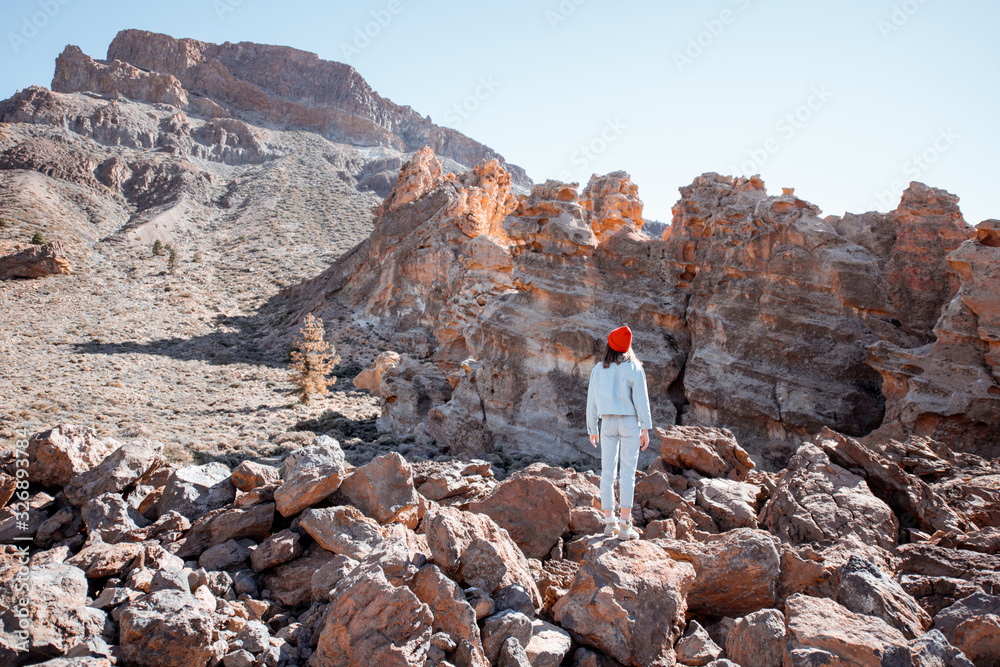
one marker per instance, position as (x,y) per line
(618,416)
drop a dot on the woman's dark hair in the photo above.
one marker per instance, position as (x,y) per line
(613,356)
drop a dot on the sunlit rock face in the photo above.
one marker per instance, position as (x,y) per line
(753,312)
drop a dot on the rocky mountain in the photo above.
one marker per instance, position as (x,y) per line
(250,202)
(752,312)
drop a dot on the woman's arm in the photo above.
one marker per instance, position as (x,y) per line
(640,399)
(592,405)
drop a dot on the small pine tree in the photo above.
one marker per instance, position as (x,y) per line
(39,239)
(172,262)
(312,360)
(157,248)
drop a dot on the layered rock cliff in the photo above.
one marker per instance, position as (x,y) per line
(753,312)
(262,84)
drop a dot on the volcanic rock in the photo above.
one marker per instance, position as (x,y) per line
(817,500)
(628,599)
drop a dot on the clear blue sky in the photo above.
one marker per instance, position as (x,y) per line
(846,101)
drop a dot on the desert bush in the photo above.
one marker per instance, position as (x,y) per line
(157,248)
(312,360)
(39,239)
(172,262)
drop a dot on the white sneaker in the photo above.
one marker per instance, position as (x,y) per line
(610,527)
(627,532)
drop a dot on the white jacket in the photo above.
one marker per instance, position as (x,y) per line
(619,389)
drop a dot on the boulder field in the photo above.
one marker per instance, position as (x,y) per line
(853,554)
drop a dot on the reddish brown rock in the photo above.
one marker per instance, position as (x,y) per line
(628,599)
(370,621)
(343,530)
(452,613)
(817,625)
(531,509)
(279,548)
(249,475)
(817,500)
(610,202)
(736,572)
(383,490)
(758,639)
(907,494)
(28,260)
(309,475)
(474,549)
(447,480)
(291,582)
(711,451)
(105,560)
(57,455)
(950,389)
(166,629)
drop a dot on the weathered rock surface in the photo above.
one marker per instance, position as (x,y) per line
(972,625)
(865,589)
(817,500)
(57,455)
(343,530)
(711,451)
(758,639)
(371,622)
(948,389)
(452,612)
(309,475)
(531,508)
(383,490)
(736,572)
(474,549)
(116,472)
(196,490)
(821,627)
(28,260)
(628,600)
(696,647)
(166,629)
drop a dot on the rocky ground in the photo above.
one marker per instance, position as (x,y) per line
(850,556)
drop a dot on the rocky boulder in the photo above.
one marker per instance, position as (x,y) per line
(713,452)
(28,260)
(818,500)
(196,490)
(531,508)
(383,490)
(475,550)
(370,621)
(821,630)
(758,639)
(736,572)
(628,599)
(59,454)
(865,589)
(166,629)
(309,475)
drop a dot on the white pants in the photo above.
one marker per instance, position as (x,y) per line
(618,431)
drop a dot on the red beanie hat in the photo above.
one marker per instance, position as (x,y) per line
(620,340)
